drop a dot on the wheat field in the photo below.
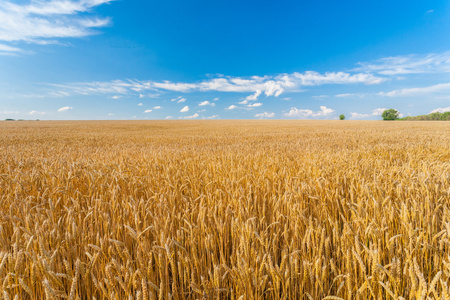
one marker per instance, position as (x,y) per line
(224,210)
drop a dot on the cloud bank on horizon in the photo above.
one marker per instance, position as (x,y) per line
(34,30)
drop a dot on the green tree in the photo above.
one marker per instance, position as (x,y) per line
(445,116)
(390,114)
(341,117)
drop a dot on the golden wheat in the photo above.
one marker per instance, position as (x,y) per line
(224,210)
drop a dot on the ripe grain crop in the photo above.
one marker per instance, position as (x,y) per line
(224,210)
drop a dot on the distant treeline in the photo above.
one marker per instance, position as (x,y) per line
(436,116)
(20,120)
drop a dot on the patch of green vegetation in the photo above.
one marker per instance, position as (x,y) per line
(436,116)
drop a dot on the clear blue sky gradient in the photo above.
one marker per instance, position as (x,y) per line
(101,59)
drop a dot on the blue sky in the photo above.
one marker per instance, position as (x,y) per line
(124,59)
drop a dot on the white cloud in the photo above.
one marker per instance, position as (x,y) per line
(204,103)
(34,112)
(311,78)
(255,105)
(45,21)
(213,117)
(54,94)
(441,110)
(115,97)
(65,108)
(409,64)
(355,115)
(350,95)
(375,112)
(140,104)
(254,96)
(216,99)
(172,86)
(194,116)
(157,107)
(269,85)
(231,107)
(5,48)
(141,96)
(185,109)
(8,50)
(9,112)
(295,112)
(265,115)
(168,117)
(378,111)
(110,114)
(148,111)
(418,91)
(89,88)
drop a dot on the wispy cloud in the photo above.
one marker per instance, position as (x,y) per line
(185,109)
(409,64)
(418,91)
(231,107)
(116,86)
(213,117)
(46,21)
(265,115)
(157,107)
(179,99)
(35,112)
(9,50)
(65,108)
(349,95)
(9,112)
(295,112)
(269,85)
(147,111)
